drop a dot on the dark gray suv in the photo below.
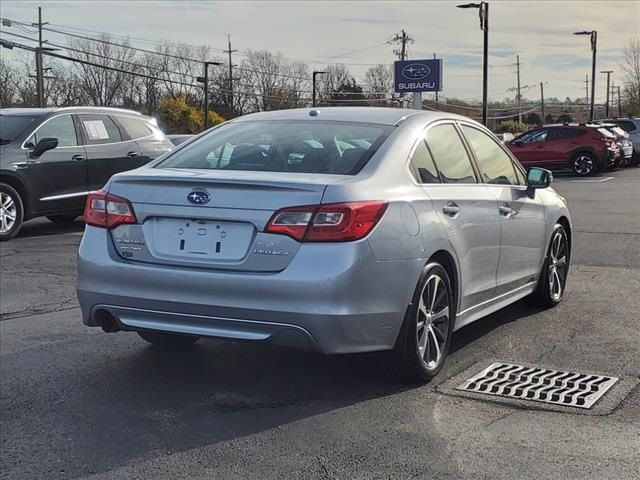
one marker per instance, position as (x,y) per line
(50,158)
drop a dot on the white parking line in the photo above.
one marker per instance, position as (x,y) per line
(605,179)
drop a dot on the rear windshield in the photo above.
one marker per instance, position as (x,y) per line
(13,125)
(341,148)
(606,133)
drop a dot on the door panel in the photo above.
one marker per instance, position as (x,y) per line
(58,180)
(107,152)
(468,212)
(109,159)
(58,177)
(474,233)
(523,237)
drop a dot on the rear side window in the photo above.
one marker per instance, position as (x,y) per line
(61,128)
(99,129)
(423,166)
(494,163)
(566,133)
(314,146)
(134,127)
(449,154)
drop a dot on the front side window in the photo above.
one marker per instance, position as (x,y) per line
(283,146)
(533,137)
(422,164)
(449,154)
(494,163)
(99,129)
(61,128)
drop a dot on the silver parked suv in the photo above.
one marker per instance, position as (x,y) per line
(632,127)
(339,230)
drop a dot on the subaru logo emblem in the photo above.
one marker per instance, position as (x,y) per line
(199,197)
(416,71)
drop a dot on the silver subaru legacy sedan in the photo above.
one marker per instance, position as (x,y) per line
(339,230)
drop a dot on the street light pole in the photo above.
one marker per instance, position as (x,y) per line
(483,8)
(205,82)
(594,43)
(606,106)
(542,100)
(313,81)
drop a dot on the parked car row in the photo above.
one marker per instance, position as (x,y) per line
(51,158)
(585,149)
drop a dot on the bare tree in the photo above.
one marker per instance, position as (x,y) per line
(378,84)
(335,76)
(26,84)
(267,81)
(64,88)
(181,65)
(103,87)
(9,78)
(631,69)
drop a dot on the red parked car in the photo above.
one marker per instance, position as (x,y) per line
(585,149)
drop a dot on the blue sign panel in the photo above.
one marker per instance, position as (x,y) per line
(418,76)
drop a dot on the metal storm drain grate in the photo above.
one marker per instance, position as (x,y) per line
(569,389)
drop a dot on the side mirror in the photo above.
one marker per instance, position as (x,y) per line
(539,178)
(517,143)
(44,145)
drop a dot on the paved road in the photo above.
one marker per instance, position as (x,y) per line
(77,403)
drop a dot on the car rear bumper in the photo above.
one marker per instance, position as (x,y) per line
(334,298)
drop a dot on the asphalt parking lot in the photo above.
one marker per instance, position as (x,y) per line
(78,403)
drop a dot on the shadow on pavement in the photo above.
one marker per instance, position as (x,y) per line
(42,227)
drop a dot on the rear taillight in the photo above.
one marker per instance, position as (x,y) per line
(105,210)
(332,222)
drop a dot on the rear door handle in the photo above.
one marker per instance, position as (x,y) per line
(451,209)
(77,158)
(132,154)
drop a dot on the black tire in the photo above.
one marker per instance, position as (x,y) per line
(62,218)
(584,164)
(415,364)
(543,296)
(11,210)
(169,340)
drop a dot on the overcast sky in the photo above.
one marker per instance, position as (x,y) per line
(321,32)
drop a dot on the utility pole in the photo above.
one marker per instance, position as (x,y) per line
(230,51)
(519,95)
(403,38)
(434,57)
(401,52)
(606,106)
(619,103)
(39,66)
(542,100)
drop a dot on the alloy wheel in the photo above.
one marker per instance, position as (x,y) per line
(583,164)
(8,212)
(432,324)
(557,266)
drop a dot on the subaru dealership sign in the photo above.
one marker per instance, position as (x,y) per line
(418,75)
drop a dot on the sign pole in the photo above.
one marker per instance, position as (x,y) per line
(417,100)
